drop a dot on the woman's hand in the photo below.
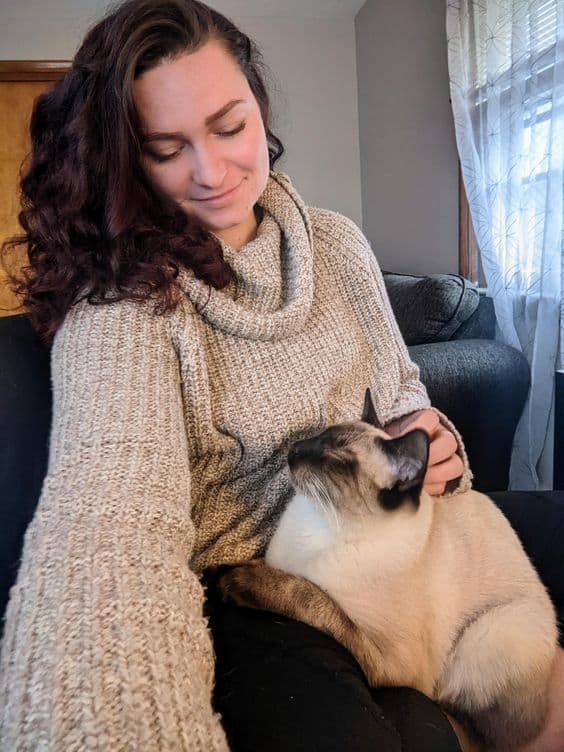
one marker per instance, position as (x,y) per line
(444,464)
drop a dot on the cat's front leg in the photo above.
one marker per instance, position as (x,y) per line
(249,585)
(255,584)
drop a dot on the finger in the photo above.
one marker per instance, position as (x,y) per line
(425,419)
(435,489)
(442,446)
(444,471)
(398,426)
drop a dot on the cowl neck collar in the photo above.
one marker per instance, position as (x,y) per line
(272,293)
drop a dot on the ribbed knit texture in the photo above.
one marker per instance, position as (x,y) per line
(167,455)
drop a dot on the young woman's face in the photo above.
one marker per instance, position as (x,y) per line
(204,140)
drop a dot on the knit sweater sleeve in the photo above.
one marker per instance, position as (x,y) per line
(364,282)
(105,644)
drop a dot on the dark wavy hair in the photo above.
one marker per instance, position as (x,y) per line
(93,225)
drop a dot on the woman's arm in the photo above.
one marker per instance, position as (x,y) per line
(448,468)
(105,645)
(401,395)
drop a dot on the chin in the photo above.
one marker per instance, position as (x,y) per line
(215,218)
(224,220)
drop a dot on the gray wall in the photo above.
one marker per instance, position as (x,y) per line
(315,84)
(407,143)
(316,106)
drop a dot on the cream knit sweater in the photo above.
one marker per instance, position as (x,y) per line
(167,455)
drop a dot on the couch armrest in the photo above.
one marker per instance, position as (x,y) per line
(431,308)
(481,385)
(481,324)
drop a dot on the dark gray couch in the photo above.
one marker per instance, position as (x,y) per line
(481,384)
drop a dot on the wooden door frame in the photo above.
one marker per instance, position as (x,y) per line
(469,265)
(33,70)
(12,73)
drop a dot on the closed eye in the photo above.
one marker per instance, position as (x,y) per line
(342,458)
(166,157)
(234,132)
(178,152)
(343,439)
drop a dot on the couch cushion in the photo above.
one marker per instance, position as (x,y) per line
(432,308)
(25,421)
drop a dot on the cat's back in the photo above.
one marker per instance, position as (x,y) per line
(488,553)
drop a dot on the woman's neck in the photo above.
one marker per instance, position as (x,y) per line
(243,233)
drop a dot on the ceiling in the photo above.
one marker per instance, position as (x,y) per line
(237,8)
(289,8)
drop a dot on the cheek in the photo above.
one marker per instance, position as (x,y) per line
(255,151)
(170,178)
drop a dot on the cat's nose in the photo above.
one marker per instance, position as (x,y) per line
(295,452)
(293,455)
(306,449)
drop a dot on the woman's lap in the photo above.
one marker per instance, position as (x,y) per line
(281,685)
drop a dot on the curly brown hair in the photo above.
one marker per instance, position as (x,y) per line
(93,225)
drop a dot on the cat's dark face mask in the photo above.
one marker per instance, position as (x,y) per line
(355,468)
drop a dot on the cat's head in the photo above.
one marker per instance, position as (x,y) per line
(357,468)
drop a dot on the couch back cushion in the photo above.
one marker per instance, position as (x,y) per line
(432,308)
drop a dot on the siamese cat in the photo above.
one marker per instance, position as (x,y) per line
(432,593)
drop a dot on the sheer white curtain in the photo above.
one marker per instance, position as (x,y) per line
(506,67)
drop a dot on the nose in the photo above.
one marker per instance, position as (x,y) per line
(209,168)
(307,449)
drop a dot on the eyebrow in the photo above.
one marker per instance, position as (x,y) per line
(177,136)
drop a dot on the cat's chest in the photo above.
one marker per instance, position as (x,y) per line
(311,542)
(353,565)
(302,535)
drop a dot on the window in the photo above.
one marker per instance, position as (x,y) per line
(511,65)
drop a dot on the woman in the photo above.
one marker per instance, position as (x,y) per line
(202,319)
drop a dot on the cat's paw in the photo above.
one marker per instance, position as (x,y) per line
(244,584)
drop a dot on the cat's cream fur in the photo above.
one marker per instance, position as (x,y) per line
(436,594)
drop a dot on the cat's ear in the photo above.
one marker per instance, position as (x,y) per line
(369,412)
(407,457)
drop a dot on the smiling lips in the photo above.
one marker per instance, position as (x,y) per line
(220,197)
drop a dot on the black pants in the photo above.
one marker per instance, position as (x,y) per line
(282,686)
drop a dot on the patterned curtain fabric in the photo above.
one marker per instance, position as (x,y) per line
(506,67)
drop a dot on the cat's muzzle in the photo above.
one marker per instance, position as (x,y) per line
(306,451)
